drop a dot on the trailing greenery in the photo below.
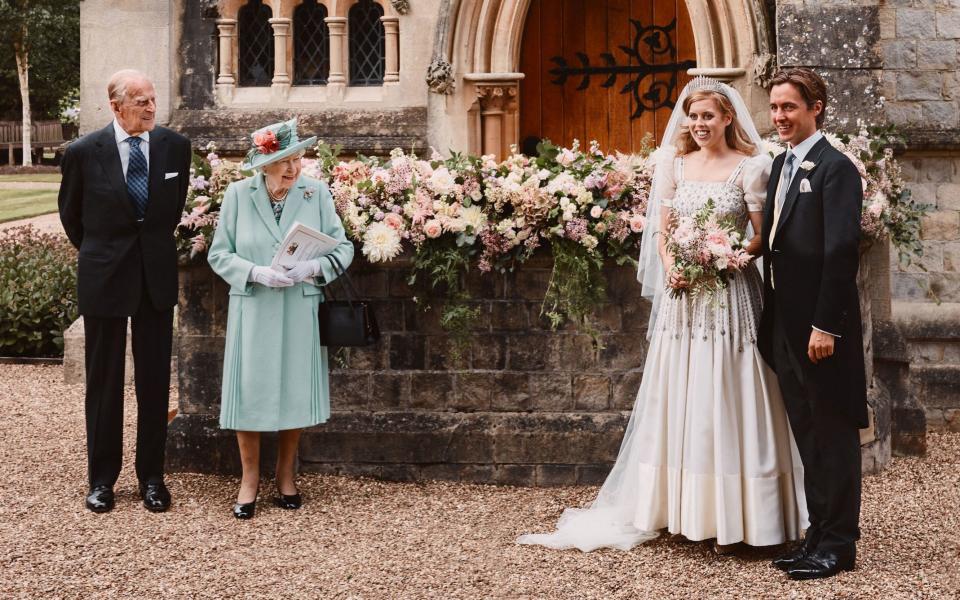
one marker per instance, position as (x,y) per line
(38,292)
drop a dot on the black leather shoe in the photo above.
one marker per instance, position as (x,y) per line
(288,502)
(785,561)
(822,563)
(156,497)
(246,510)
(100,499)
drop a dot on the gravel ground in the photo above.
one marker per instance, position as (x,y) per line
(357,538)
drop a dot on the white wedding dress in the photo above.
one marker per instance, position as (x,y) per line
(708,452)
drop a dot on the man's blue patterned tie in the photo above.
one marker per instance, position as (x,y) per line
(137,176)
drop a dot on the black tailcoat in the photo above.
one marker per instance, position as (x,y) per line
(814,264)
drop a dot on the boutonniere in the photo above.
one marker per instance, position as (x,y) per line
(308,193)
(808,165)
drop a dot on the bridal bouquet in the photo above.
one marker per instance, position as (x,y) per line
(706,251)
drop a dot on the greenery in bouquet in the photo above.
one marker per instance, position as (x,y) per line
(888,210)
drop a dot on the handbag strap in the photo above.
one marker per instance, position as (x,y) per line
(344,278)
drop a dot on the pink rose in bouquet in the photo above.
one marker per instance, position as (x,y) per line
(706,251)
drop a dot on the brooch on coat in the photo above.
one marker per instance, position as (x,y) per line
(308,193)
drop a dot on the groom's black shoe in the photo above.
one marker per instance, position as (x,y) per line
(785,561)
(100,499)
(156,497)
(823,563)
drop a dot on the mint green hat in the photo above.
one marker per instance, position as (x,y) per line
(274,142)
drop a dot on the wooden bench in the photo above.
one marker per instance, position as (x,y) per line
(43,135)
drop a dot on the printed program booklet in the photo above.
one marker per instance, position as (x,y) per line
(302,243)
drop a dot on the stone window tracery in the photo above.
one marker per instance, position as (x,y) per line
(311,41)
(255,44)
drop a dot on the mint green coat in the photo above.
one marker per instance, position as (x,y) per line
(275,374)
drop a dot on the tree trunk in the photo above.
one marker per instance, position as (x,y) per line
(23,71)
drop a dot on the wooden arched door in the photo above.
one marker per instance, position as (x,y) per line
(605,70)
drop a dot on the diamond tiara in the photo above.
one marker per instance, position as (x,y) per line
(702,82)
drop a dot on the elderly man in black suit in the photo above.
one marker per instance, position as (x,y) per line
(810,331)
(121,198)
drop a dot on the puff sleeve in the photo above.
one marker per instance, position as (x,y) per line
(666,180)
(756,174)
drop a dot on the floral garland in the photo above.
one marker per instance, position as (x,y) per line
(461,212)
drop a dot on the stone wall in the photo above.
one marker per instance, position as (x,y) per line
(920,42)
(523,405)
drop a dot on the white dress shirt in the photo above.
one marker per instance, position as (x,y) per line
(124,146)
(801,150)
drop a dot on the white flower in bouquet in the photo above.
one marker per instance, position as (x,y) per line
(566,157)
(432,228)
(589,242)
(381,243)
(442,182)
(310,167)
(596,212)
(474,217)
(773,149)
(380,177)
(584,197)
(835,141)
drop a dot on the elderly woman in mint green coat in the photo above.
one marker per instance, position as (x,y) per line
(275,375)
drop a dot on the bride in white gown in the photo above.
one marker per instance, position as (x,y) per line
(708,452)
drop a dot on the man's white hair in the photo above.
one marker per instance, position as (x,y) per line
(120,81)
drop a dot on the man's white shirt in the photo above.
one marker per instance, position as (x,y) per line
(123,146)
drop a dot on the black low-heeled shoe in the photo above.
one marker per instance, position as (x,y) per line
(246,510)
(288,502)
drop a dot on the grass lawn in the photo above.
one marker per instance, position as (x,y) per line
(45,177)
(20,204)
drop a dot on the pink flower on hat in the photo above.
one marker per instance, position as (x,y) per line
(266,142)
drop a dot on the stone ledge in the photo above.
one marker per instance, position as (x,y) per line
(928,321)
(358,131)
(74,369)
(510,448)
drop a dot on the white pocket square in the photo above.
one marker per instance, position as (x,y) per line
(804,185)
(171,175)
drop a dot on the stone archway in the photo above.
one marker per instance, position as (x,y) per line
(478,42)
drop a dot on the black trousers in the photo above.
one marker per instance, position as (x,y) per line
(106,340)
(830,450)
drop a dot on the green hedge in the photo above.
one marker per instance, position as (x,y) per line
(38,292)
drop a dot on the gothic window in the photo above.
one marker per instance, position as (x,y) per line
(255,42)
(367,43)
(311,39)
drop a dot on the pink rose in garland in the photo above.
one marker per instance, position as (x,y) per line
(266,142)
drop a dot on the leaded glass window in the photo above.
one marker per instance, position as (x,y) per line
(367,43)
(311,41)
(255,44)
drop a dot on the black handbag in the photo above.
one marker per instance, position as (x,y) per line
(347,322)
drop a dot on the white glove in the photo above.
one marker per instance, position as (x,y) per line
(303,270)
(268,277)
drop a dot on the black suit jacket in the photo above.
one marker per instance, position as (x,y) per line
(814,263)
(118,256)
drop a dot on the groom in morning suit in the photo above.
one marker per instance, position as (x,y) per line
(121,198)
(810,331)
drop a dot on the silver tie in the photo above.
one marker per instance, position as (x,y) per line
(785,179)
